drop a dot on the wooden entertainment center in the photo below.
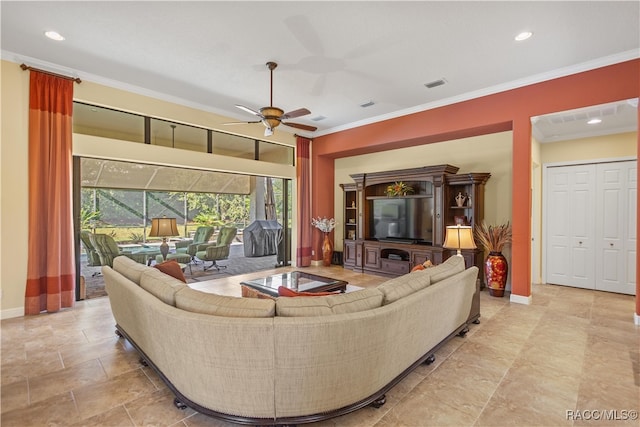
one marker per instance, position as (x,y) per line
(382,239)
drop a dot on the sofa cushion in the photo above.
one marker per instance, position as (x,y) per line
(283,291)
(401,286)
(221,305)
(162,286)
(303,307)
(350,302)
(248,292)
(172,268)
(129,268)
(452,265)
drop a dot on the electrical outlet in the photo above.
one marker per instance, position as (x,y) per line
(313,252)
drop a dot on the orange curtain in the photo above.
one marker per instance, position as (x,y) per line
(50,263)
(303,175)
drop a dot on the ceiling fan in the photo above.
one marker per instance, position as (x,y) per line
(271,117)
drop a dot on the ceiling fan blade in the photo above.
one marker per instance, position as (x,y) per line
(249,110)
(300,126)
(240,123)
(296,113)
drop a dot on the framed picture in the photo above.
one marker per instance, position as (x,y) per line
(351,234)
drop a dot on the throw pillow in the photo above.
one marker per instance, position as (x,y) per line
(422,266)
(286,292)
(248,292)
(172,268)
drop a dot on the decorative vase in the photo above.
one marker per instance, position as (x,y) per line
(495,273)
(327,251)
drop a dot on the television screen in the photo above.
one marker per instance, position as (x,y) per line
(402,219)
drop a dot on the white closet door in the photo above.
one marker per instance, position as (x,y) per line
(570,225)
(615,227)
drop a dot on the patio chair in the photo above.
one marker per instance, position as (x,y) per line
(108,249)
(201,236)
(219,250)
(93,259)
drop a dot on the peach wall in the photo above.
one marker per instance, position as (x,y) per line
(502,111)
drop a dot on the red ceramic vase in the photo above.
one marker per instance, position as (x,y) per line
(495,273)
(327,251)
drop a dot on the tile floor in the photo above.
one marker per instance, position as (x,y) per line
(570,354)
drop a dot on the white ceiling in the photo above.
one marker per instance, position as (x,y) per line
(332,56)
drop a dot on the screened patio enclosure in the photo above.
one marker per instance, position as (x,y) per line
(120,198)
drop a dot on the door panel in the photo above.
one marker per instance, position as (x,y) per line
(616,212)
(570,228)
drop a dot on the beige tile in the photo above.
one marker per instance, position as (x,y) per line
(116,417)
(199,420)
(14,396)
(93,399)
(76,354)
(156,409)
(44,386)
(59,410)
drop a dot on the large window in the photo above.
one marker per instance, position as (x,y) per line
(109,123)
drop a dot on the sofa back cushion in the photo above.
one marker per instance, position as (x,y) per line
(401,286)
(221,305)
(452,265)
(129,268)
(351,302)
(162,286)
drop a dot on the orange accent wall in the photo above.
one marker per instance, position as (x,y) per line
(508,110)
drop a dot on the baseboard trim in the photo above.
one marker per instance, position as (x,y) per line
(520,299)
(11,313)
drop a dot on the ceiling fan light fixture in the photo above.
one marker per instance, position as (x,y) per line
(268,131)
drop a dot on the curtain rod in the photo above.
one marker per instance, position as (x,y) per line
(26,67)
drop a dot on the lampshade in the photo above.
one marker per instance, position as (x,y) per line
(459,237)
(163,227)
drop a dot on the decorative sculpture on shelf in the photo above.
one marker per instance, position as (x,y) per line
(460,199)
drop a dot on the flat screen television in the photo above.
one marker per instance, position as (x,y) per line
(400,219)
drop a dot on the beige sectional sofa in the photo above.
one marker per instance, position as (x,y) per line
(292,360)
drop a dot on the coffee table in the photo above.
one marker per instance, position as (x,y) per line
(298,281)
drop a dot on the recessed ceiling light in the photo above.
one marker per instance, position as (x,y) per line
(523,36)
(594,121)
(53,35)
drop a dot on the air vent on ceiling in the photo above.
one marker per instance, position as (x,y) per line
(367,104)
(435,83)
(318,118)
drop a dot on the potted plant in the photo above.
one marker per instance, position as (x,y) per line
(493,238)
(398,189)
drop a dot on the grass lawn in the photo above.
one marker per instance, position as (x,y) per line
(135,234)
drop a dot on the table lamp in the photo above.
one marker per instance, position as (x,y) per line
(459,237)
(164,227)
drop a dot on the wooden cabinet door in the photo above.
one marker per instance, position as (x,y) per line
(371,256)
(349,257)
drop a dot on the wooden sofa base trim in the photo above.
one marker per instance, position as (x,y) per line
(376,400)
